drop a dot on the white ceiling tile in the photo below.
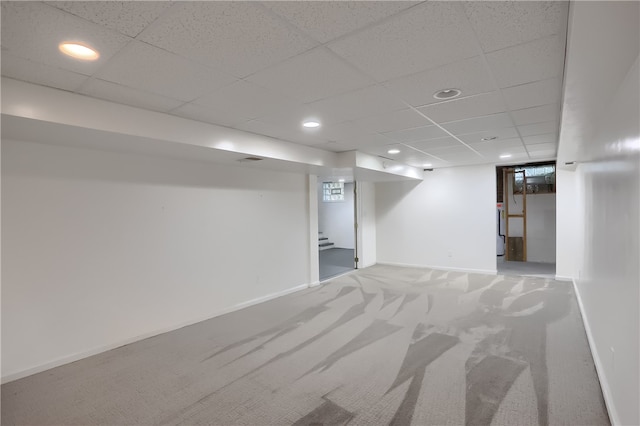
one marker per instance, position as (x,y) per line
(34,72)
(128,96)
(293,117)
(432,34)
(460,109)
(429,145)
(361,141)
(516,152)
(390,121)
(126,17)
(533,94)
(469,75)
(158,71)
(238,37)
(356,104)
(417,134)
(541,147)
(479,124)
(208,115)
(539,155)
(537,60)
(406,155)
(375,139)
(33,30)
(458,153)
(502,24)
(245,99)
(342,132)
(325,21)
(298,135)
(537,114)
(498,145)
(314,75)
(538,128)
(539,139)
(504,133)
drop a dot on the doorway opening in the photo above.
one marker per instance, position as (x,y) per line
(526,219)
(336,228)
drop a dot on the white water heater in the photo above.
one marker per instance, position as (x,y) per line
(500,229)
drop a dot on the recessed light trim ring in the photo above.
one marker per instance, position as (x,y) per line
(447,93)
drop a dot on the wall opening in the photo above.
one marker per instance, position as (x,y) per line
(336,228)
(526,219)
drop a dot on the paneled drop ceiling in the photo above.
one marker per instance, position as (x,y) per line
(366,70)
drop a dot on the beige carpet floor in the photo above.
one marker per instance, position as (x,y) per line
(382,345)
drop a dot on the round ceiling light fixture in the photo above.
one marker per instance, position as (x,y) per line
(505,156)
(394,151)
(489,138)
(311,124)
(447,93)
(427,165)
(78,51)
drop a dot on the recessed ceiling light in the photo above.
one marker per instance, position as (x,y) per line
(340,180)
(447,93)
(427,165)
(505,156)
(311,124)
(489,138)
(394,151)
(79,51)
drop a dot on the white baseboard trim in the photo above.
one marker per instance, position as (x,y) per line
(314,284)
(94,351)
(604,384)
(563,278)
(443,268)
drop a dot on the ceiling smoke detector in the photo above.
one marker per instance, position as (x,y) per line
(447,94)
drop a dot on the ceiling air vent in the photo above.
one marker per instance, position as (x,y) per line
(250,159)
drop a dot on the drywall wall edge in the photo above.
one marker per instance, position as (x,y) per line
(443,268)
(604,385)
(85,354)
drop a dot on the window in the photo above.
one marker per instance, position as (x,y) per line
(541,179)
(332,192)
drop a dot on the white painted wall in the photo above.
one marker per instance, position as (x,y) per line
(366,224)
(101,248)
(601,130)
(569,224)
(335,219)
(609,274)
(446,221)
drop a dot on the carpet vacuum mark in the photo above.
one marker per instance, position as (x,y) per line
(383,345)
